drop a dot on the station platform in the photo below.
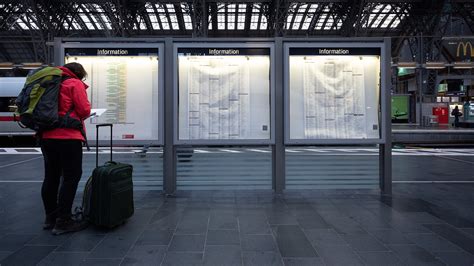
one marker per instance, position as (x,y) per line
(429,219)
(401,133)
(439,134)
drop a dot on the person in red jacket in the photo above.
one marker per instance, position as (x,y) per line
(62,152)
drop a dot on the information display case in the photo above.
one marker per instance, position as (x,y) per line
(224,94)
(333,92)
(125,80)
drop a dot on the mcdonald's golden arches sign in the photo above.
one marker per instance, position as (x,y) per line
(460,49)
(465,49)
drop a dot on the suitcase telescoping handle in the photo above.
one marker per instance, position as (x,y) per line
(97,142)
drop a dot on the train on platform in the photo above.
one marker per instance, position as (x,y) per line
(10,87)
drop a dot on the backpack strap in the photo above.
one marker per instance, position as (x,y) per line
(67,117)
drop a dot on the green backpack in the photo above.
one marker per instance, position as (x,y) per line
(37,103)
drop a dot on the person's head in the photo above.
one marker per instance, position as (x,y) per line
(77,69)
(456,107)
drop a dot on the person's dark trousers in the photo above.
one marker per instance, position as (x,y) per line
(61,158)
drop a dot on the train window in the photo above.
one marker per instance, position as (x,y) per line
(6,104)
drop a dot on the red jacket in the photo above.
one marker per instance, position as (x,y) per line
(71,93)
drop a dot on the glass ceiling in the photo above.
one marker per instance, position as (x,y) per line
(325,16)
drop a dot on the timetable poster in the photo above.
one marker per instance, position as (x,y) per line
(334,93)
(125,82)
(224,93)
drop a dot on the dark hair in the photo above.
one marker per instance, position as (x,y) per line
(77,69)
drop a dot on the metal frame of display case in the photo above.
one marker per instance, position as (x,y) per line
(383,91)
(212,44)
(384,142)
(63,44)
(279,58)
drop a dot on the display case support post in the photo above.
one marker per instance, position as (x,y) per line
(278,150)
(169,150)
(385,149)
(57,51)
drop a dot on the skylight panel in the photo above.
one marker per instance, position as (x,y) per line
(154,21)
(377,8)
(164,22)
(174,22)
(242,8)
(241,22)
(231,22)
(67,24)
(221,21)
(288,21)
(188,24)
(86,20)
(23,25)
(76,25)
(395,23)
(106,21)
(141,23)
(369,21)
(307,22)
(149,8)
(97,24)
(254,22)
(302,8)
(231,8)
(388,20)
(84,9)
(320,22)
(383,16)
(263,23)
(313,7)
(31,19)
(98,8)
(170,8)
(297,22)
(159,8)
(153,18)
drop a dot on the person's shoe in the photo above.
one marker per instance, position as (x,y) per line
(68,225)
(49,222)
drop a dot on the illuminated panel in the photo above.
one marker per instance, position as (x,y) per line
(224,93)
(334,93)
(125,82)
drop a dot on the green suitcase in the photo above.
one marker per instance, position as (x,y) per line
(108,194)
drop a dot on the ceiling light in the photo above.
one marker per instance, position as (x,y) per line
(6,65)
(435,65)
(32,65)
(407,64)
(463,65)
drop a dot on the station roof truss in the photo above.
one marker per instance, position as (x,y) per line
(26,26)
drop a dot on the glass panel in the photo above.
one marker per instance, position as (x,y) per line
(147,167)
(120,80)
(206,168)
(334,96)
(224,93)
(332,167)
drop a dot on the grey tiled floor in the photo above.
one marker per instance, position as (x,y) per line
(417,226)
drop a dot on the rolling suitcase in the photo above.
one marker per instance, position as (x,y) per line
(108,194)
